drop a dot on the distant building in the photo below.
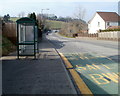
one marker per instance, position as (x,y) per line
(102,21)
(49,15)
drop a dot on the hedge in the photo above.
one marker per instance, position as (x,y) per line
(108,30)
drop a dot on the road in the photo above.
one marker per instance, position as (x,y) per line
(96,61)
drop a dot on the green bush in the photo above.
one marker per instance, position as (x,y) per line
(108,30)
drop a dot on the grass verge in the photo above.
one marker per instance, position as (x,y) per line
(65,35)
(7,46)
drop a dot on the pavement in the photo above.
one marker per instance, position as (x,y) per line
(45,75)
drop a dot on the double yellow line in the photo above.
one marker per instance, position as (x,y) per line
(79,82)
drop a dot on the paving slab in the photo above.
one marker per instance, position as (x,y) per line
(45,75)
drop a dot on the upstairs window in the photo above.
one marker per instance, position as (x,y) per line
(98,24)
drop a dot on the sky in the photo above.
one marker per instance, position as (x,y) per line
(58,7)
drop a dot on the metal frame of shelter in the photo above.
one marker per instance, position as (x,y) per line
(27,37)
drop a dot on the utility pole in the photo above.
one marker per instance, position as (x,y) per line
(42,19)
(42,13)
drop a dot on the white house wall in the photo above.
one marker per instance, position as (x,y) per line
(93,25)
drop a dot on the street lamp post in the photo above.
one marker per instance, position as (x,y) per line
(42,17)
(42,12)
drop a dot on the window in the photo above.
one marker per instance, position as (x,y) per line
(108,23)
(118,23)
(98,24)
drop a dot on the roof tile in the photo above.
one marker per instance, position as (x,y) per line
(109,16)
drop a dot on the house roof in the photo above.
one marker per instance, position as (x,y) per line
(109,16)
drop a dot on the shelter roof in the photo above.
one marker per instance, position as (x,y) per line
(26,21)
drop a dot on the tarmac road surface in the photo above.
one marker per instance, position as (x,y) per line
(96,61)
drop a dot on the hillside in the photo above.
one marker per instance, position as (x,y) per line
(55,24)
(14,19)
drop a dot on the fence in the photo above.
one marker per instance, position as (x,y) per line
(9,31)
(88,35)
(113,35)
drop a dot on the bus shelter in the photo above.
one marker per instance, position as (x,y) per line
(27,37)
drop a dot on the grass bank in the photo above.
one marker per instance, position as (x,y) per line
(7,46)
(55,24)
(65,35)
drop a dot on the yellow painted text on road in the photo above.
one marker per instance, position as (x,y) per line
(104,78)
(106,66)
(80,68)
(92,67)
(96,66)
(112,76)
(99,79)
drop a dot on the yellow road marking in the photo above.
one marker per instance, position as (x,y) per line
(106,66)
(109,58)
(103,56)
(68,65)
(80,83)
(98,78)
(82,58)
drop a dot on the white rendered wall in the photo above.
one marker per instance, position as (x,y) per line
(93,26)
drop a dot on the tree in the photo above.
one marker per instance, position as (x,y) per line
(80,13)
(68,19)
(53,17)
(33,16)
(6,18)
(79,23)
(76,25)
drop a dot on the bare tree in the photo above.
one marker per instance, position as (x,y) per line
(41,21)
(77,25)
(80,13)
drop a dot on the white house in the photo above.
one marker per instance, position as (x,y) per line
(103,20)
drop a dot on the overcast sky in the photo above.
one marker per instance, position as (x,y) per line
(57,7)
